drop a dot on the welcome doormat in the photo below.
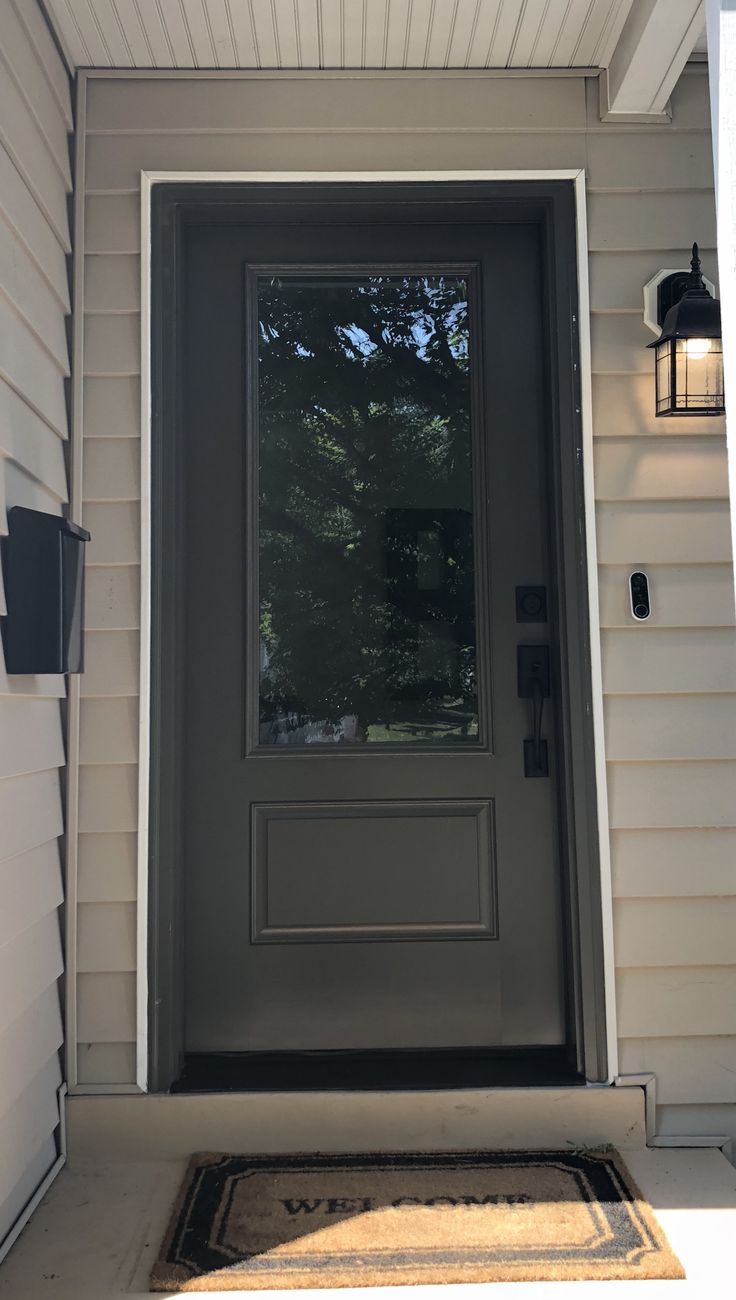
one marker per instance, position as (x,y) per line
(245,1223)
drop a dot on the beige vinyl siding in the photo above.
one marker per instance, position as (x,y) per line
(35,180)
(660,485)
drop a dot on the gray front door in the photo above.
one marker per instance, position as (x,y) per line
(370,855)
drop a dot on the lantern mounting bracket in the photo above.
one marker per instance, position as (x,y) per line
(663,291)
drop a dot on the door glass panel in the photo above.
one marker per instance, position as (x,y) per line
(365,522)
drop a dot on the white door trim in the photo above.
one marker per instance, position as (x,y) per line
(148,180)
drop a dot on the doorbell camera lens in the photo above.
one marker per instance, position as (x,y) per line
(639,595)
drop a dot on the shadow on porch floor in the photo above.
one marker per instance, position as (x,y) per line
(95,1235)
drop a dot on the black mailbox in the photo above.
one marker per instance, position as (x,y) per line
(44,592)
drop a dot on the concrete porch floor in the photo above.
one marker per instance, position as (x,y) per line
(96,1234)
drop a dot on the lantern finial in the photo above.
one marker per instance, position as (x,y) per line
(696,274)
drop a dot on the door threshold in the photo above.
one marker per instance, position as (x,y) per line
(376,1071)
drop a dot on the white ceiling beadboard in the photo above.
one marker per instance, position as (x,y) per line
(306,34)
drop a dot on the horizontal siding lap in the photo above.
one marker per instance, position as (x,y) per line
(21,213)
(109,730)
(685,1067)
(112,345)
(30,811)
(691,1001)
(47,53)
(112,223)
(618,343)
(642,661)
(112,598)
(650,221)
(112,284)
(106,1062)
(708,1120)
(106,937)
(617,279)
(111,664)
(663,532)
(112,406)
(46,686)
(623,407)
(32,297)
(46,175)
(27,366)
(267,104)
(29,74)
(28,441)
(115,529)
(106,1008)
(28,1044)
(670,727)
(692,595)
(38,1164)
(24,490)
(672,794)
(675,932)
(112,470)
(30,736)
(107,867)
(29,963)
(627,160)
(108,798)
(673,863)
(31,887)
(651,469)
(114,163)
(27,1125)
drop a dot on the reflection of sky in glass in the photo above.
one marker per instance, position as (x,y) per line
(423,331)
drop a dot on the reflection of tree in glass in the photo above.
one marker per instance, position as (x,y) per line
(366,565)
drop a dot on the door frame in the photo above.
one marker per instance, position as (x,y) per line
(587,905)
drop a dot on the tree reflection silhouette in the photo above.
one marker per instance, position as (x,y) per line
(365,515)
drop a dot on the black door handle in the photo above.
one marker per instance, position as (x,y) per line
(534,684)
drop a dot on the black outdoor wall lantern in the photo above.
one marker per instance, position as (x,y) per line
(689,351)
(43,560)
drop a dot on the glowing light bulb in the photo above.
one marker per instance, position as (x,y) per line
(697,348)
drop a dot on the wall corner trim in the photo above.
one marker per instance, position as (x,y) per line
(649,1083)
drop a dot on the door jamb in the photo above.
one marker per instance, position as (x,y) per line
(592,906)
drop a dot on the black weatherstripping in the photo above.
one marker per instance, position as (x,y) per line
(375,1071)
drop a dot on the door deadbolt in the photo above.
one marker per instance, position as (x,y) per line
(531,604)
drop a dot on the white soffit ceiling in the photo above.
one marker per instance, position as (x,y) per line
(390,34)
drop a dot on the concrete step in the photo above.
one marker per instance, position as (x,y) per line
(157,1127)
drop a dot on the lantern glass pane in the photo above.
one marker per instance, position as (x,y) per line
(698,380)
(664,357)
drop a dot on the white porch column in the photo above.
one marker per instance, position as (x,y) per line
(721,16)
